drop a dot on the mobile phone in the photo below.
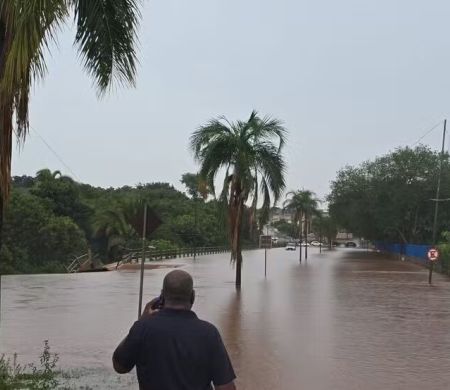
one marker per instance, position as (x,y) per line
(159,303)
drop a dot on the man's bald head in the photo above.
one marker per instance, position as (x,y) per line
(178,288)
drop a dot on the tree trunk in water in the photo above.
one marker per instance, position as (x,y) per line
(238,269)
(238,249)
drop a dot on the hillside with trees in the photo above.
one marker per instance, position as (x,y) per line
(51,218)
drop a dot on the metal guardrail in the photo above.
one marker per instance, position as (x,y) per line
(184,252)
(153,254)
(135,256)
(86,259)
(76,263)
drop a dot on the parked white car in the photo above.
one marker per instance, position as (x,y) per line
(315,243)
(290,246)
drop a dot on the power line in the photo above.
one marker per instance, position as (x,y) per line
(427,132)
(55,154)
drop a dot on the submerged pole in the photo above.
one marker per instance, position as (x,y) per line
(436,205)
(141,284)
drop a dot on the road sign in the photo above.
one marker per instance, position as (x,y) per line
(265,242)
(433,254)
(145,221)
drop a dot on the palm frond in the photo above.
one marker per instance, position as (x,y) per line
(266,129)
(272,166)
(302,201)
(33,25)
(106,37)
(204,135)
(265,208)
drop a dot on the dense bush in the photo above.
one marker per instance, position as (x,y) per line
(51,218)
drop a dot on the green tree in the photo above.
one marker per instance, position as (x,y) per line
(63,197)
(304,204)
(196,187)
(250,154)
(114,228)
(198,190)
(38,216)
(61,239)
(326,227)
(35,239)
(390,198)
(286,228)
(105,36)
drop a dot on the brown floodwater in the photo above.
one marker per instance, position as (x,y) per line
(345,319)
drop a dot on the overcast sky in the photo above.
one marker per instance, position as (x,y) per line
(351,79)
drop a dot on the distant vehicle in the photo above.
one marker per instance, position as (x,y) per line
(315,243)
(350,244)
(305,244)
(290,246)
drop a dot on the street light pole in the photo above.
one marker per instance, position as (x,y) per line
(195,223)
(301,237)
(436,205)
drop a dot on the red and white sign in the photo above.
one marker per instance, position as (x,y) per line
(433,254)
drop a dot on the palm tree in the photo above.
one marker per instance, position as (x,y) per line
(118,223)
(111,226)
(105,36)
(46,175)
(303,204)
(249,152)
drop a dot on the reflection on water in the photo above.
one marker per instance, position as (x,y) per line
(342,320)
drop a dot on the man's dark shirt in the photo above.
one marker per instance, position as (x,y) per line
(174,350)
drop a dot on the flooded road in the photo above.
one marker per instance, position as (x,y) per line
(345,319)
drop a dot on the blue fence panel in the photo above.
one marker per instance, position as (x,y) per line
(419,251)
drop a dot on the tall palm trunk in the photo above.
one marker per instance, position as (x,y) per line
(6,126)
(237,242)
(236,213)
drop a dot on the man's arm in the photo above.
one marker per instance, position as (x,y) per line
(222,370)
(126,354)
(118,356)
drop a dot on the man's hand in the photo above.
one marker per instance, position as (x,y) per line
(148,311)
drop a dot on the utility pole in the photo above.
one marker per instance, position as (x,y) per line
(306,236)
(301,234)
(141,281)
(320,236)
(265,251)
(436,205)
(196,231)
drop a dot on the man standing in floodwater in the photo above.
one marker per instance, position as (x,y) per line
(171,348)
